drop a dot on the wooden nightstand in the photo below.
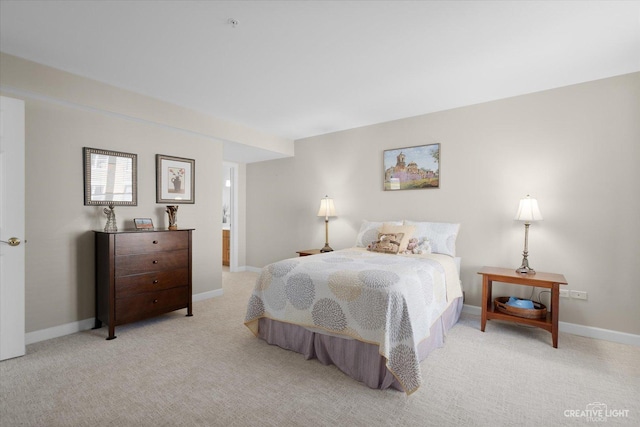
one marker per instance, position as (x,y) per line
(541,280)
(308,252)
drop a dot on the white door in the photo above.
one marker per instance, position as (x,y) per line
(12,250)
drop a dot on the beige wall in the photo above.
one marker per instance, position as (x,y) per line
(50,82)
(576,149)
(65,113)
(59,256)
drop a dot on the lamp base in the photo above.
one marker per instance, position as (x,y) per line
(326,248)
(524,268)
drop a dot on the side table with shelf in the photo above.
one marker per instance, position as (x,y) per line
(550,281)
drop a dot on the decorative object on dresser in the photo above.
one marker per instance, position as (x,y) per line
(110,178)
(326,210)
(173,217)
(528,212)
(110,226)
(143,223)
(141,275)
(412,168)
(175,179)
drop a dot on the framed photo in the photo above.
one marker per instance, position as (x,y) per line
(143,223)
(175,179)
(412,168)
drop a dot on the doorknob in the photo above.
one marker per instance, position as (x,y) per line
(13,241)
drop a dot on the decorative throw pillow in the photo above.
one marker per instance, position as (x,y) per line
(416,247)
(388,243)
(369,232)
(407,230)
(440,235)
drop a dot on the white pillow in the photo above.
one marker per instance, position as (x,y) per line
(369,232)
(441,235)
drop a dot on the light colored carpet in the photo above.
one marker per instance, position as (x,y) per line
(209,370)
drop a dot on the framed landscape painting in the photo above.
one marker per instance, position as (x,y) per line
(412,168)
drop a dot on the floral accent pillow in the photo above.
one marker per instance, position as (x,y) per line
(388,243)
(369,232)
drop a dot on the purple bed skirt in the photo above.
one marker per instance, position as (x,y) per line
(361,361)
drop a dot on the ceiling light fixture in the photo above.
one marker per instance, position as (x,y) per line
(234,22)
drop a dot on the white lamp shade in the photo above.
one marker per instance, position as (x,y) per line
(528,210)
(327,208)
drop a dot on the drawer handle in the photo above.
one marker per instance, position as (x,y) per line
(155,281)
(155,242)
(155,261)
(155,301)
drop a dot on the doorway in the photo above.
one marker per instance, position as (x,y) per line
(230,216)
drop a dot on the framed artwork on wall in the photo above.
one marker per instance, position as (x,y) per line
(110,177)
(175,179)
(412,168)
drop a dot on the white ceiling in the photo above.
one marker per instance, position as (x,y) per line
(302,68)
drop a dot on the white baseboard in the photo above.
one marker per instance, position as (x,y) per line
(570,328)
(581,330)
(86,324)
(599,333)
(253,269)
(58,331)
(206,295)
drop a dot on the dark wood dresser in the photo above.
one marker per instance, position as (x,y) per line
(141,274)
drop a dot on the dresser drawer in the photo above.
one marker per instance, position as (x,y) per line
(150,304)
(141,242)
(151,262)
(151,282)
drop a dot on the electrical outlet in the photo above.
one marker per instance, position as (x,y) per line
(578,294)
(564,293)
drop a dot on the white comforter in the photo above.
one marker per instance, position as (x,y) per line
(388,300)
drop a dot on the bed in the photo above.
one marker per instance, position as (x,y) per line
(375,310)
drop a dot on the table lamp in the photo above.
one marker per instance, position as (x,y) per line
(528,212)
(326,210)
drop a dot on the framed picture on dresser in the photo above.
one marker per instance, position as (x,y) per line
(175,179)
(143,223)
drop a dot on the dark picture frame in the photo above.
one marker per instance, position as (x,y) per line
(110,177)
(175,179)
(412,168)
